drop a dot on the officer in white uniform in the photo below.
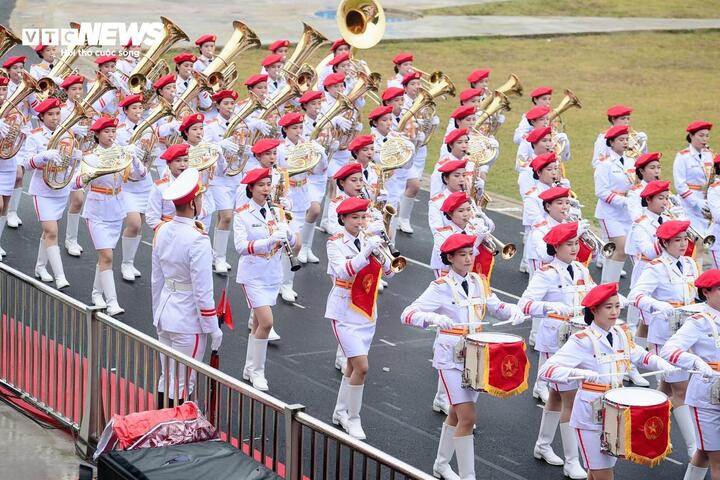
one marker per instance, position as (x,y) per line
(713,199)
(182,287)
(617,115)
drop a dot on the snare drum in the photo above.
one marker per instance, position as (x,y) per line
(614,404)
(680,314)
(477,355)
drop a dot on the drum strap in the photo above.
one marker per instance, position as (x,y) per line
(617,358)
(476,305)
(688,283)
(713,328)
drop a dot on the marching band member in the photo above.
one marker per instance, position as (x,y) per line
(453,176)
(351,306)
(108,103)
(613,179)
(126,63)
(556,209)
(464,116)
(206,46)
(338,47)
(362,149)
(48,56)
(280,47)
(402,65)
(259,236)
(540,97)
(8,168)
(554,294)
(159,210)
(349,182)
(182,287)
(664,284)
(713,198)
(647,169)
(381,124)
(167,127)
(616,115)
(192,130)
(700,333)
(395,98)
(273,65)
(540,142)
(692,172)
(104,212)
(471,298)
(584,356)
(184,66)
(456,144)
(49,203)
(136,190)
(479,79)
(257,85)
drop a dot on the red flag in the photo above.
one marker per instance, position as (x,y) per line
(690,249)
(224,312)
(365,289)
(585,254)
(506,369)
(647,434)
(484,262)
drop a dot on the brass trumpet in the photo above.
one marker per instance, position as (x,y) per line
(383,254)
(707,241)
(505,250)
(594,242)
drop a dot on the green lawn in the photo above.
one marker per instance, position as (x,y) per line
(593,8)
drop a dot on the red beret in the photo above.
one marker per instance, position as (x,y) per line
(561,233)
(538,134)
(378,112)
(453,201)
(392,92)
(255,79)
(469,93)
(47,104)
(163,81)
(291,119)
(338,43)
(616,131)
(672,228)
(191,120)
(205,38)
(698,125)
(537,112)
(463,111)
(452,165)
(402,58)
(540,91)
(456,241)
(646,158)
(278,44)
(4,81)
(103,122)
(130,99)
(184,57)
(352,205)
(39,47)
(477,75)
(347,170)
(619,111)
(655,187)
(410,76)
(175,151)
(72,80)
(553,193)
(10,61)
(455,135)
(338,59)
(599,294)
(311,95)
(255,175)
(708,279)
(361,141)
(333,79)
(272,59)
(102,59)
(542,161)
(717,158)
(224,94)
(265,145)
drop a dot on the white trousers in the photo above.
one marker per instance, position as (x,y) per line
(192,345)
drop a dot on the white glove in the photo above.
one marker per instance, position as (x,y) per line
(663,308)
(278,236)
(480,184)
(216,339)
(419,137)
(174,126)
(562,136)
(666,366)
(286,203)
(588,375)
(4,128)
(642,136)
(334,145)
(559,308)
(517,317)
(285,228)
(80,130)
(51,156)
(376,227)
(228,145)
(482,231)
(494,142)
(442,321)
(259,125)
(583,227)
(704,368)
(342,123)
(435,121)
(372,244)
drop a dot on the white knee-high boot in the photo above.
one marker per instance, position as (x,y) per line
(695,473)
(107,280)
(220,241)
(571,450)
(97,293)
(611,271)
(354,404)
(340,412)
(53,255)
(543,446)
(286,289)
(71,234)
(249,359)
(257,376)
(129,250)
(687,429)
(3,222)
(306,254)
(406,207)
(541,388)
(465,454)
(340,359)
(41,263)
(441,402)
(14,220)
(445,452)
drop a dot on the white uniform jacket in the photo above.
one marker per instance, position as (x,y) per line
(613,179)
(535,246)
(690,175)
(601,151)
(533,211)
(642,244)
(522,130)
(37,143)
(436,185)
(713,198)
(441,234)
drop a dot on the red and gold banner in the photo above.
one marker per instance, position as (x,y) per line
(585,253)
(484,262)
(364,291)
(647,434)
(690,249)
(506,369)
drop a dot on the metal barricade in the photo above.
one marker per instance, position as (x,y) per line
(81,366)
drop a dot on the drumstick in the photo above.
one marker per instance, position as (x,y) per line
(698,372)
(646,374)
(465,324)
(505,322)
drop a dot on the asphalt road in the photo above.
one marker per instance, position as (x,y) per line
(401,383)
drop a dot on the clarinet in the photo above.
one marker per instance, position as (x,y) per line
(294,263)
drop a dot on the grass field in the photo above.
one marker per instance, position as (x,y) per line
(592,8)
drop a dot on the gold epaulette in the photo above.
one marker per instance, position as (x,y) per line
(242,208)
(436,197)
(160,181)
(439,281)
(683,152)
(200,227)
(36,130)
(443,229)
(337,236)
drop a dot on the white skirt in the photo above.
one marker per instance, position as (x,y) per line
(104,234)
(354,338)
(593,457)
(7,181)
(135,201)
(260,295)
(316,189)
(49,208)
(223,196)
(451,379)
(614,228)
(707,433)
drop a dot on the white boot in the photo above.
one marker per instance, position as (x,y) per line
(249,365)
(543,446)
(53,254)
(634,376)
(445,452)
(13,220)
(541,389)
(97,293)
(611,271)
(220,241)
(465,454)
(572,466)
(406,206)
(687,429)
(393,227)
(308,234)
(354,404)
(107,280)
(440,402)
(286,291)
(250,320)
(129,249)
(340,413)
(324,217)
(534,327)
(340,360)
(3,222)
(257,377)
(71,244)
(695,473)
(41,264)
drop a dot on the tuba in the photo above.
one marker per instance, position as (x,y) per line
(102,85)
(162,110)
(365,84)
(110,160)
(440,85)
(13,141)
(636,145)
(220,68)
(309,42)
(554,119)
(63,67)
(59,176)
(481,148)
(361,22)
(7,40)
(238,131)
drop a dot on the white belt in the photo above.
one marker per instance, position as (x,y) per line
(175,286)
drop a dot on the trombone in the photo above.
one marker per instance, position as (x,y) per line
(594,242)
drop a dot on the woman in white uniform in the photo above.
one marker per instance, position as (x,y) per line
(8,168)
(713,199)
(159,210)
(259,238)
(647,169)
(402,65)
(455,148)
(579,357)
(696,346)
